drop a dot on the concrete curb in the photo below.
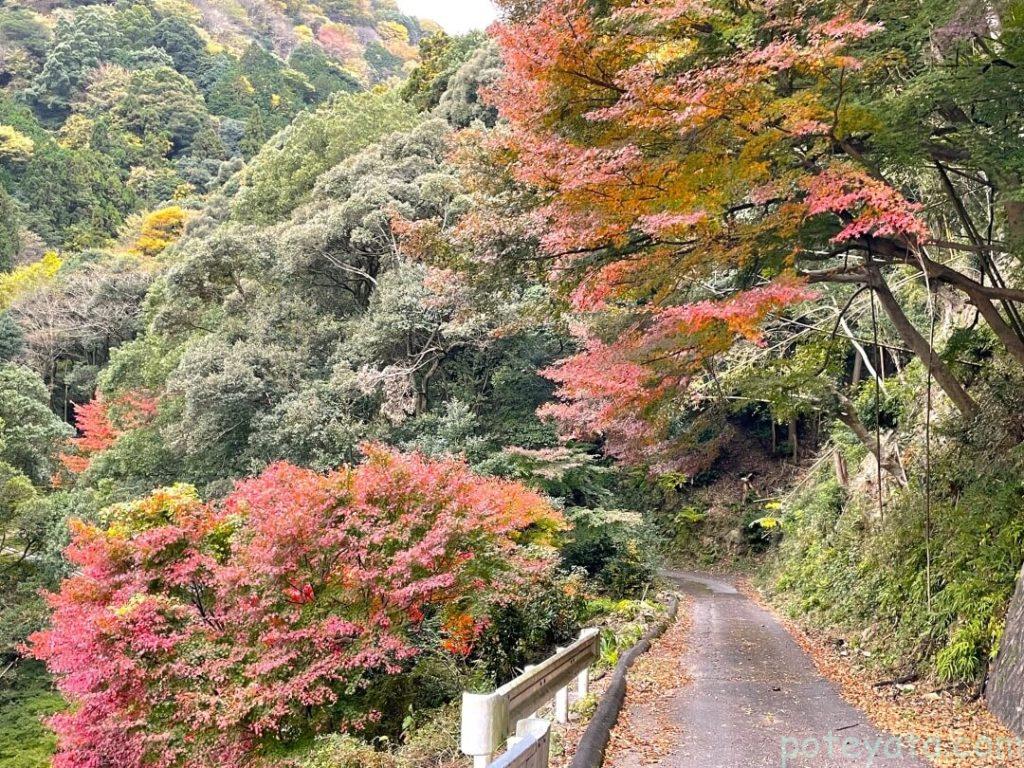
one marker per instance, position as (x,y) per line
(594,742)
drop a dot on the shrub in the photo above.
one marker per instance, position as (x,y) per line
(433,742)
(343,751)
(614,547)
(529,625)
(25,699)
(200,634)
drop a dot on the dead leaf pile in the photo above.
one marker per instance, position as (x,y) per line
(645,733)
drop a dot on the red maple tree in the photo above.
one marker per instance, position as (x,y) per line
(192,634)
(682,169)
(100,422)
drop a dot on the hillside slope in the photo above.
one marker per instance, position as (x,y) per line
(111,108)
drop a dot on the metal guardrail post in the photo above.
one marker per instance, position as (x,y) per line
(488,718)
(532,715)
(484,726)
(562,701)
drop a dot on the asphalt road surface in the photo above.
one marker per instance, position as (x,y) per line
(756,700)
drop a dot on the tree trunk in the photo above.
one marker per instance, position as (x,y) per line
(422,389)
(420,406)
(980,295)
(998,324)
(842,473)
(1014,211)
(862,357)
(988,265)
(920,346)
(847,414)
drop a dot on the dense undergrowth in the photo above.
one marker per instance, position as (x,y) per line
(843,568)
(26,698)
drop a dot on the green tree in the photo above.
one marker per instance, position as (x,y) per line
(440,58)
(462,102)
(284,172)
(151,103)
(30,433)
(279,91)
(81,42)
(162,101)
(137,24)
(226,381)
(73,196)
(324,73)
(12,340)
(256,133)
(227,92)
(180,39)
(9,243)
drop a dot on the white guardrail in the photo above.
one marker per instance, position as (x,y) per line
(488,719)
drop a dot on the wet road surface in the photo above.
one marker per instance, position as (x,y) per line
(756,700)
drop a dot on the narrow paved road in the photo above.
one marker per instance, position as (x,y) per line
(756,700)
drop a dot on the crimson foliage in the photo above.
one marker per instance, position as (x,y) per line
(197,634)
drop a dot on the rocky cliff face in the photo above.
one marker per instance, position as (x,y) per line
(1006,684)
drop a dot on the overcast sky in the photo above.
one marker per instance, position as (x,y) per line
(454,15)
